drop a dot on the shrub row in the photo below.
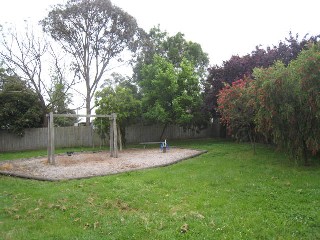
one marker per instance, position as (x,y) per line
(281,103)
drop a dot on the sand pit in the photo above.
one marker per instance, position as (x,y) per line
(89,164)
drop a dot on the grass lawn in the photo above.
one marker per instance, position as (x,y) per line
(226,193)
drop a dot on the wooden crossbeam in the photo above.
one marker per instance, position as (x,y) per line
(113,133)
(79,115)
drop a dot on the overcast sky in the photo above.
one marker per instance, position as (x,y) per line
(223,28)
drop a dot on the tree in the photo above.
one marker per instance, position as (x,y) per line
(27,55)
(60,100)
(289,103)
(23,54)
(20,107)
(116,79)
(174,49)
(164,91)
(239,67)
(121,100)
(307,71)
(170,95)
(237,108)
(278,116)
(93,32)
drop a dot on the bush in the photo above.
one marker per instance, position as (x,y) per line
(283,104)
(237,106)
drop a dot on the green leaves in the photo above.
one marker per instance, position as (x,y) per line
(20,107)
(237,107)
(238,67)
(59,100)
(282,103)
(288,110)
(121,100)
(93,33)
(170,94)
(174,49)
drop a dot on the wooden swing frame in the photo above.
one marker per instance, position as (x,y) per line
(113,133)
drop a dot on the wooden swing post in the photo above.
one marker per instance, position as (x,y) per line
(113,133)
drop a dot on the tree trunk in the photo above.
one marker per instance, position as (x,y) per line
(123,134)
(119,137)
(163,130)
(305,154)
(45,119)
(44,114)
(88,109)
(252,140)
(44,110)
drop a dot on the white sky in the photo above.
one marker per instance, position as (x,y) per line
(223,28)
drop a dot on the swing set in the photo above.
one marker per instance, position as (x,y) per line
(113,133)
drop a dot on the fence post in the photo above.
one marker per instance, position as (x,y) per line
(52,160)
(115,135)
(49,139)
(111,138)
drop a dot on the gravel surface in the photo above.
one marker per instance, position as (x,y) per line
(86,164)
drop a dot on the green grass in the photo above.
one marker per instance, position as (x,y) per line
(226,193)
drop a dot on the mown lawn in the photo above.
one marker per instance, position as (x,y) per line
(227,193)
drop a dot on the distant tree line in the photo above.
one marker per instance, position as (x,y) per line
(240,67)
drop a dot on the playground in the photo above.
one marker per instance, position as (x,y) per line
(78,165)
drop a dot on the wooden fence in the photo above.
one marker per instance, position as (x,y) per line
(37,138)
(141,133)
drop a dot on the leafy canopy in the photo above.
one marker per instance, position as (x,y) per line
(60,99)
(170,95)
(289,103)
(283,104)
(121,99)
(93,32)
(174,49)
(239,67)
(237,107)
(20,107)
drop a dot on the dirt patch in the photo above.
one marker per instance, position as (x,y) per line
(84,165)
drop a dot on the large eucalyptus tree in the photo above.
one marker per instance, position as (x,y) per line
(93,32)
